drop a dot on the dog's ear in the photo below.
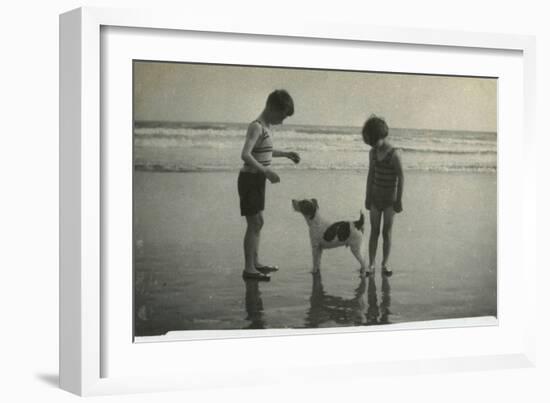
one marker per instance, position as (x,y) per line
(314,207)
(315,204)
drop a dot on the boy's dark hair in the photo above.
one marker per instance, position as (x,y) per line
(375,128)
(281,101)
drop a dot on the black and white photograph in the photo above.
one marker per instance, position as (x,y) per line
(292,198)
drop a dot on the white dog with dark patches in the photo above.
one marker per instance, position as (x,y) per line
(326,235)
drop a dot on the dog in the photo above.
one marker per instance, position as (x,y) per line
(326,235)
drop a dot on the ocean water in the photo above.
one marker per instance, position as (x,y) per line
(190,147)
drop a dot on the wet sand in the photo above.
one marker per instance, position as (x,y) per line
(189,254)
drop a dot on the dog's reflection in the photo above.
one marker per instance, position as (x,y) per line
(362,309)
(254,305)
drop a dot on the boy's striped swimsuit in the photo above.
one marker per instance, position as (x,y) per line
(251,183)
(385,181)
(263,149)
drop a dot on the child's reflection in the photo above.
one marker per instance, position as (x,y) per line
(386,300)
(378,313)
(372,309)
(254,305)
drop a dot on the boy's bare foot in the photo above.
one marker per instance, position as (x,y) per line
(263,268)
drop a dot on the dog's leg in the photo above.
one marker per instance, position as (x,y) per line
(316,252)
(357,250)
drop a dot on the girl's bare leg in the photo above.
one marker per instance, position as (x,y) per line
(386,234)
(375,217)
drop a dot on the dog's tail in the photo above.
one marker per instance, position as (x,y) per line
(360,223)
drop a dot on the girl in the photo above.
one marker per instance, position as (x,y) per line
(384,188)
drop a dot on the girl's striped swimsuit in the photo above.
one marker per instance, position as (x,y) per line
(263,149)
(385,181)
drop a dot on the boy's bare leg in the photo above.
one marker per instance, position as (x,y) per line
(375,217)
(251,241)
(258,238)
(386,234)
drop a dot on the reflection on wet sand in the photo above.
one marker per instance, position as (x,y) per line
(254,305)
(386,301)
(188,277)
(326,308)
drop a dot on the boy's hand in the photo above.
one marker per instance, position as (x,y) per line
(397,207)
(294,157)
(272,176)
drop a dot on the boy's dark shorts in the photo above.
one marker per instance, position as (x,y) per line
(251,192)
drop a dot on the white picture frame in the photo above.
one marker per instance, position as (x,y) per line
(83,173)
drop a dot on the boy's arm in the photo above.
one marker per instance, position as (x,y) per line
(400,181)
(291,155)
(252,135)
(370,176)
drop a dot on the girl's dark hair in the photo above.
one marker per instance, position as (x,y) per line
(375,128)
(281,101)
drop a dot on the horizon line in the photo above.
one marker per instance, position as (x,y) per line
(310,124)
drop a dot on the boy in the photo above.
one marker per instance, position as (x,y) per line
(257,153)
